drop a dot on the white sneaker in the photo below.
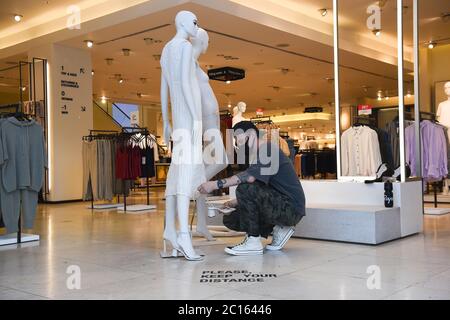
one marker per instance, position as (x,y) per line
(248,247)
(280,236)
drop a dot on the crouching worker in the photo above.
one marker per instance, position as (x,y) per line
(269,196)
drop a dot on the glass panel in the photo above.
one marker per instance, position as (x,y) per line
(368,88)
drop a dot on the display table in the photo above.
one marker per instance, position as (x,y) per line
(355,212)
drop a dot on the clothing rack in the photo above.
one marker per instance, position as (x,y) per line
(18,114)
(145,133)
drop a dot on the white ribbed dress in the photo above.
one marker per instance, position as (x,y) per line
(186,171)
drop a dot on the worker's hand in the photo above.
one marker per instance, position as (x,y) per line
(207,187)
(231,204)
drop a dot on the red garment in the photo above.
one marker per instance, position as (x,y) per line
(128,162)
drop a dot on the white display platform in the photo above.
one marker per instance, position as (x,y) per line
(436,211)
(355,212)
(106,206)
(137,208)
(11,238)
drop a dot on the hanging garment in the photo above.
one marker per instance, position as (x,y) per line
(360,152)
(148,163)
(104,165)
(90,173)
(298,165)
(434,150)
(22,162)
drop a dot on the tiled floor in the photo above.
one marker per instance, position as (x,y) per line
(118,258)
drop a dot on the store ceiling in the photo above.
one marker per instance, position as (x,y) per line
(306,63)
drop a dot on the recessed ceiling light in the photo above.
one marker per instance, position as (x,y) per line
(126,52)
(228,82)
(92,72)
(120,80)
(376,32)
(323,12)
(431,44)
(18,17)
(387,98)
(229,106)
(89,43)
(24,88)
(103,99)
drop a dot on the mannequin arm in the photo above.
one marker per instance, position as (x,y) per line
(186,81)
(165,108)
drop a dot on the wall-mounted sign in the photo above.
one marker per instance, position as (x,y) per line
(364,109)
(313,109)
(259,112)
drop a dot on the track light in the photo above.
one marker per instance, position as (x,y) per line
(92,72)
(18,17)
(120,80)
(89,43)
(431,44)
(323,12)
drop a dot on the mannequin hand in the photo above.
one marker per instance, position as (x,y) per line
(167,133)
(207,187)
(231,204)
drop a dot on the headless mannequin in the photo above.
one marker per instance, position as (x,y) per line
(211,126)
(178,77)
(241,107)
(443,116)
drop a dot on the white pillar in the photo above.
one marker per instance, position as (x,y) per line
(69,116)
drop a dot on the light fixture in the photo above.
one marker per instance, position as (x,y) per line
(408,95)
(89,43)
(228,82)
(387,98)
(323,12)
(431,44)
(376,32)
(92,72)
(143,80)
(379,98)
(103,99)
(121,80)
(109,61)
(126,52)
(24,88)
(18,17)
(229,106)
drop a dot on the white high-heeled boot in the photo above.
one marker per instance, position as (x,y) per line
(184,242)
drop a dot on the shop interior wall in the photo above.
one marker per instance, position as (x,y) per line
(102,121)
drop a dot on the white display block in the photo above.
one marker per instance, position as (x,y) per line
(11,238)
(355,212)
(437,211)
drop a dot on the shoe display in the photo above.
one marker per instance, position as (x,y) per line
(397,173)
(248,247)
(383,171)
(280,237)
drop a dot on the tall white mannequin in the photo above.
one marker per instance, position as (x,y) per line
(211,125)
(443,116)
(443,112)
(241,107)
(186,170)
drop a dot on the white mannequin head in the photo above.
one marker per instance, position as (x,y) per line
(241,107)
(447,89)
(235,111)
(200,42)
(186,21)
